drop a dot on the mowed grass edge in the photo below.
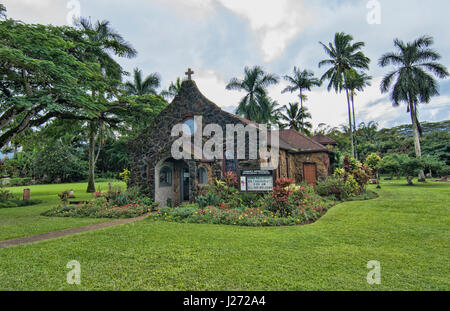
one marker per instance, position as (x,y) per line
(405,229)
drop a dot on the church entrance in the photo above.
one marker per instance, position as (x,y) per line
(310,173)
(184,183)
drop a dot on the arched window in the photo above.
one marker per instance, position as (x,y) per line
(189,127)
(202,176)
(165,177)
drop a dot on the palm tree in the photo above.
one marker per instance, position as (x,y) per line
(295,117)
(2,11)
(344,55)
(300,81)
(415,65)
(255,85)
(355,81)
(269,113)
(173,89)
(143,86)
(110,42)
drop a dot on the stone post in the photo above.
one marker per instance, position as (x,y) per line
(26,194)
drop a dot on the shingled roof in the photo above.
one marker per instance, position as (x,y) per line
(324,140)
(300,142)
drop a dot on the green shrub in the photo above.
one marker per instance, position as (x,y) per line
(101,208)
(19,182)
(334,186)
(18,203)
(210,199)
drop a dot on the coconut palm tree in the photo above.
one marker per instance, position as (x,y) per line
(173,89)
(110,42)
(415,64)
(269,112)
(255,85)
(355,81)
(301,81)
(343,55)
(295,117)
(142,86)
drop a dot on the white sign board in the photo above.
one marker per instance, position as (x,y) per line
(259,183)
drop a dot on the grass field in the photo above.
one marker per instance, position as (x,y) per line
(406,229)
(26,221)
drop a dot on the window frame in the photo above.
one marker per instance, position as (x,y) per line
(199,175)
(166,170)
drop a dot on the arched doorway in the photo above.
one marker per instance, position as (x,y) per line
(184,182)
(172,182)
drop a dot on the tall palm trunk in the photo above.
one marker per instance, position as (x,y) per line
(354,124)
(301,109)
(415,125)
(350,123)
(91,181)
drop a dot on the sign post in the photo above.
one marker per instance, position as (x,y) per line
(257,181)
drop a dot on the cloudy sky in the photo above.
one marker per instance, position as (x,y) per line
(218,38)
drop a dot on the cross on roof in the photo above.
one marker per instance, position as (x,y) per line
(189,73)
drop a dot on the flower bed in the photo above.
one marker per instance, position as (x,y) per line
(93,210)
(287,205)
(110,205)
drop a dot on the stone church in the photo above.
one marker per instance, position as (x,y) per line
(173,181)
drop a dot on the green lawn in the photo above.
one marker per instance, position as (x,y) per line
(26,221)
(406,230)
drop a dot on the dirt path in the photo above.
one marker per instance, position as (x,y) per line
(57,234)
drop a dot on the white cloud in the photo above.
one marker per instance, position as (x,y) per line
(38,11)
(213,87)
(275,23)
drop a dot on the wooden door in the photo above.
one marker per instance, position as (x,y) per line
(310,173)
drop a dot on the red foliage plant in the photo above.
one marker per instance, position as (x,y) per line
(281,193)
(230,179)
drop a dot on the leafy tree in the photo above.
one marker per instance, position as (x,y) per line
(255,85)
(415,63)
(59,163)
(142,86)
(374,162)
(301,81)
(140,111)
(390,164)
(344,55)
(46,72)
(109,41)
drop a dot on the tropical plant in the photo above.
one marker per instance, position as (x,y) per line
(301,81)
(344,55)
(295,118)
(173,89)
(415,64)
(2,11)
(355,81)
(269,112)
(142,86)
(255,85)
(109,41)
(47,73)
